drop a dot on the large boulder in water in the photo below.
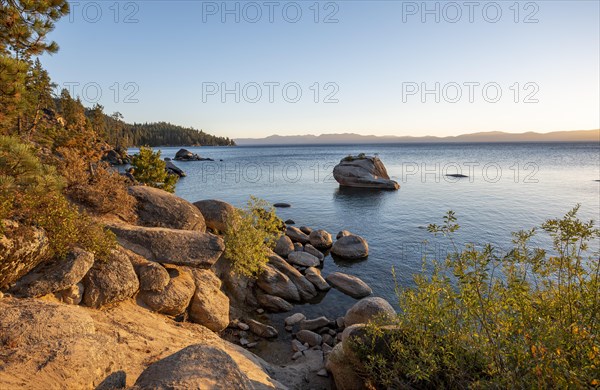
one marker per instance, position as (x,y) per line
(364,172)
(351,247)
(320,239)
(349,285)
(22,248)
(158,208)
(178,247)
(217,214)
(186,155)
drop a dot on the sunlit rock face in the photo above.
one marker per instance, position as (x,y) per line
(363,172)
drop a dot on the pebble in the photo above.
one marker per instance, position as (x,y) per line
(297,355)
(243,326)
(289,328)
(290,222)
(332,333)
(260,311)
(340,322)
(322,372)
(244,342)
(326,349)
(243,334)
(327,339)
(251,345)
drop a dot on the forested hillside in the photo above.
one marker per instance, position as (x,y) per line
(120,133)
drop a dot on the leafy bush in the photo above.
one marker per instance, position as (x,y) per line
(526,319)
(151,170)
(31,194)
(249,236)
(95,185)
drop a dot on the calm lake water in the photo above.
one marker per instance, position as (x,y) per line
(510,187)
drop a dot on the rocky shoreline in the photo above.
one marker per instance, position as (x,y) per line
(170,269)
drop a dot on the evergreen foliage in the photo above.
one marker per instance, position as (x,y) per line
(159,134)
(32,194)
(150,169)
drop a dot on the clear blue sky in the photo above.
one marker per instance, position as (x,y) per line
(377,57)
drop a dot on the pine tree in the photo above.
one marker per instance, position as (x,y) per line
(38,97)
(24,25)
(98,120)
(151,170)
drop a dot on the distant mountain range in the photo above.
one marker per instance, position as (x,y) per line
(493,136)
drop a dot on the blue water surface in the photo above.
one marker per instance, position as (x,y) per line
(510,187)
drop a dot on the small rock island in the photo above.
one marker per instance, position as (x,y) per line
(363,172)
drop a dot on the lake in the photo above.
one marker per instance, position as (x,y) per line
(510,187)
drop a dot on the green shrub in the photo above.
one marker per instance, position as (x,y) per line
(151,170)
(31,194)
(249,235)
(350,158)
(526,319)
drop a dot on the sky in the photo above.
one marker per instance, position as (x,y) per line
(247,69)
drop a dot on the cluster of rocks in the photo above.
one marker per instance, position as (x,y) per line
(298,259)
(117,156)
(186,155)
(321,345)
(164,262)
(318,338)
(251,331)
(171,262)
